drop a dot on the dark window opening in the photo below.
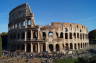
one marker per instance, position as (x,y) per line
(50,33)
(66,35)
(61,35)
(57,34)
(77,35)
(74,35)
(28,35)
(57,47)
(22,35)
(44,35)
(71,46)
(70,35)
(51,47)
(35,35)
(66,30)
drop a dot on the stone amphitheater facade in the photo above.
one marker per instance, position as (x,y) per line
(26,36)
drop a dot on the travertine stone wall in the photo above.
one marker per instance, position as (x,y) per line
(26,36)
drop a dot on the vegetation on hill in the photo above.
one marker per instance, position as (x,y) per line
(0,46)
(78,60)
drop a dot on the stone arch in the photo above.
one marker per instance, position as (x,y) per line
(66,30)
(75,46)
(66,35)
(67,46)
(83,36)
(34,48)
(70,35)
(61,35)
(77,35)
(57,47)
(78,45)
(81,45)
(71,46)
(28,35)
(28,47)
(57,34)
(50,33)
(74,35)
(80,35)
(85,45)
(51,47)
(35,35)
(44,35)
(44,47)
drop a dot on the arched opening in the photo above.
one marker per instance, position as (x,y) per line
(80,36)
(28,47)
(50,33)
(44,35)
(74,35)
(75,47)
(22,35)
(67,46)
(57,34)
(35,35)
(34,48)
(78,46)
(28,35)
(44,47)
(66,35)
(83,36)
(77,35)
(61,35)
(51,47)
(66,30)
(70,35)
(71,46)
(57,47)
(81,45)
(22,47)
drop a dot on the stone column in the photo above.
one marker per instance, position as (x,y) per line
(47,35)
(54,47)
(31,48)
(38,47)
(73,46)
(25,35)
(46,47)
(31,34)
(25,47)
(77,46)
(38,35)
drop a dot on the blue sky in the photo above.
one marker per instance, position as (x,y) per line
(47,11)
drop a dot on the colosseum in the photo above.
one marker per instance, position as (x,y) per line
(26,36)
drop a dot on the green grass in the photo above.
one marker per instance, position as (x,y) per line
(66,60)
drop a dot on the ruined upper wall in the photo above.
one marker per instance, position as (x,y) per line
(58,26)
(20,13)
